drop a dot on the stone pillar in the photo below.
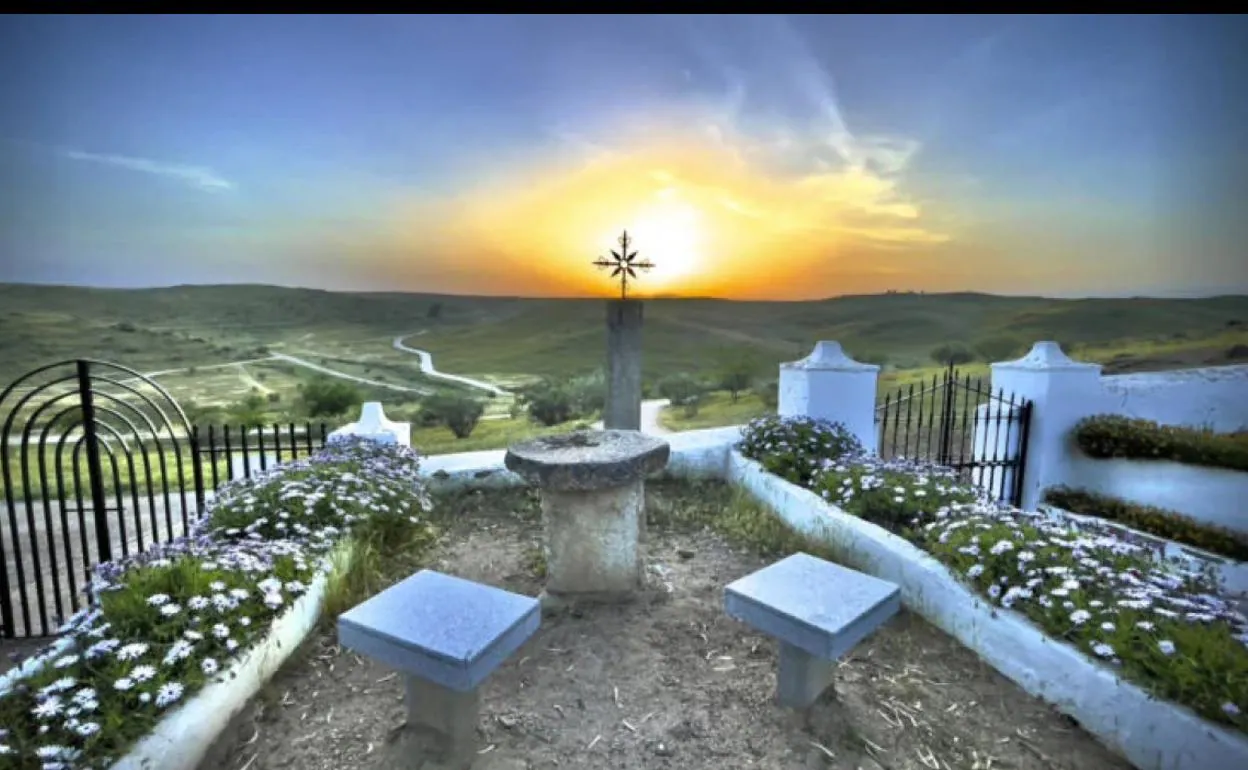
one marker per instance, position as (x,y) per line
(622,410)
(1062,392)
(830,385)
(374,425)
(593,505)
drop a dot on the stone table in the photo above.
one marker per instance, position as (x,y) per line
(592,486)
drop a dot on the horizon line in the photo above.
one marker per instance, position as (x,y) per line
(1178,295)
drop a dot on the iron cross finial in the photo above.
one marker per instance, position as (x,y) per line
(624,263)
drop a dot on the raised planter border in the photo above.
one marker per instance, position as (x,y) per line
(1150,733)
(183,738)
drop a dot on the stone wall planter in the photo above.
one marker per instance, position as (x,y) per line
(182,739)
(1152,734)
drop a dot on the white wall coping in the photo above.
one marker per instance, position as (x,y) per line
(184,736)
(828,355)
(1152,734)
(1047,356)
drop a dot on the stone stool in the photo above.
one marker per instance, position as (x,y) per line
(592,486)
(445,635)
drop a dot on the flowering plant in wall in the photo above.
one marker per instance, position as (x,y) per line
(168,622)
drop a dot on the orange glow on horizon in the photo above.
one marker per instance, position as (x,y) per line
(715,220)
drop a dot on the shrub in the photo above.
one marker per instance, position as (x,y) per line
(1106,436)
(795,448)
(250,412)
(735,375)
(681,389)
(1155,521)
(549,404)
(457,412)
(169,621)
(324,397)
(952,355)
(768,392)
(999,348)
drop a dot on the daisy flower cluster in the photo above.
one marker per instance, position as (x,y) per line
(794,448)
(1157,623)
(164,623)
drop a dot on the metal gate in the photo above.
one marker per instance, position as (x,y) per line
(959,423)
(98,462)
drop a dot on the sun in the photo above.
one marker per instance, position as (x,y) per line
(669,232)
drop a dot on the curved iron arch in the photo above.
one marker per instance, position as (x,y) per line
(108,418)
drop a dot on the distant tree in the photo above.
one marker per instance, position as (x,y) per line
(768,391)
(434,312)
(323,397)
(250,412)
(999,348)
(457,412)
(952,354)
(681,389)
(587,393)
(736,372)
(548,403)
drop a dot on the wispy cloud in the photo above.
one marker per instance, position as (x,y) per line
(197,176)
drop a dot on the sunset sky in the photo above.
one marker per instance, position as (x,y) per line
(750,157)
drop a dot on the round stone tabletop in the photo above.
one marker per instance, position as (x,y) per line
(586,460)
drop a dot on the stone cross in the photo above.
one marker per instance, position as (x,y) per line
(622,410)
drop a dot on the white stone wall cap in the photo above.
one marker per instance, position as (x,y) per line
(1047,356)
(829,355)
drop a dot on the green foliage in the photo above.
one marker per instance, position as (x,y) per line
(999,348)
(681,389)
(768,391)
(459,413)
(736,371)
(548,403)
(551,402)
(1106,436)
(250,412)
(952,354)
(796,448)
(1171,525)
(326,397)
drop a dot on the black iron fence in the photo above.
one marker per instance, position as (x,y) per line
(958,422)
(98,462)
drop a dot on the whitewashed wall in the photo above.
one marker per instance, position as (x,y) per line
(1064,391)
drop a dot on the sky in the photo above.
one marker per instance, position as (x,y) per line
(749,157)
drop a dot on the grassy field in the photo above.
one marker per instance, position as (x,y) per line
(200,333)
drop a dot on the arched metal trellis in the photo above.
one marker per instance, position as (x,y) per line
(83,445)
(97,462)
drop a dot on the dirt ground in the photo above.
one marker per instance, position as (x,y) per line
(668,681)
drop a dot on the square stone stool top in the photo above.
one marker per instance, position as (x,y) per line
(817,610)
(446,635)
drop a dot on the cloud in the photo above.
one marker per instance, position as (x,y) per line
(196,176)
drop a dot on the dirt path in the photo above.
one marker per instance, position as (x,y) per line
(666,682)
(344,376)
(426,367)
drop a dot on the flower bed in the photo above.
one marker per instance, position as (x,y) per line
(165,624)
(1154,624)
